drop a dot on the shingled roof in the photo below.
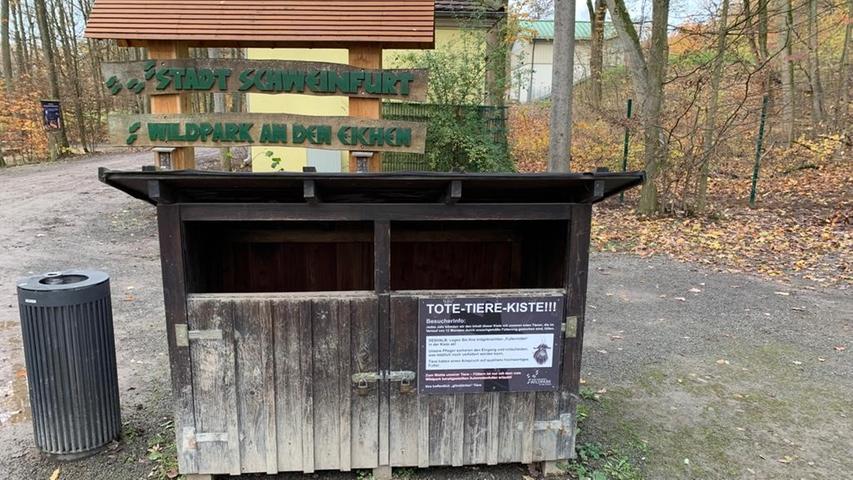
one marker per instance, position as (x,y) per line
(467,8)
(267,23)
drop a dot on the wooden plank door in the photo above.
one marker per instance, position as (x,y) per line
(466,429)
(272,382)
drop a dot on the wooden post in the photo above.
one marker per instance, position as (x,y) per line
(367,56)
(182,158)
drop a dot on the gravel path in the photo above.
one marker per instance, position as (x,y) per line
(703,375)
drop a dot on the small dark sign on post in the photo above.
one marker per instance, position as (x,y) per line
(489,344)
(51,115)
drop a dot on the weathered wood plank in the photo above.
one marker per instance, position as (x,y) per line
(254,345)
(344,308)
(267,129)
(325,318)
(365,407)
(210,76)
(423,432)
(405,419)
(288,317)
(457,426)
(214,386)
(493,442)
(476,435)
(171,232)
(545,441)
(576,274)
(306,367)
(441,433)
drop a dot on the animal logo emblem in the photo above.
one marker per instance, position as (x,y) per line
(541,354)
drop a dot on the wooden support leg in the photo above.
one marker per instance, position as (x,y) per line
(551,469)
(198,477)
(382,473)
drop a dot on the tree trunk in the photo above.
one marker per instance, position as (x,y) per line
(5,45)
(597,13)
(562,84)
(647,77)
(20,40)
(788,98)
(846,72)
(53,79)
(708,140)
(814,67)
(65,29)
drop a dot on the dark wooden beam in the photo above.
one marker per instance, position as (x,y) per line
(454,192)
(372,211)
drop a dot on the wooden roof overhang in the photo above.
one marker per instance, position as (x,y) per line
(391,196)
(266,23)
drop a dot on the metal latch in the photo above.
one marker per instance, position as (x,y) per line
(570,328)
(183,335)
(362,380)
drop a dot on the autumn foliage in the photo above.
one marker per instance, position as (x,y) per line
(21,129)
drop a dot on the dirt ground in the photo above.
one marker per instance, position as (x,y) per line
(699,375)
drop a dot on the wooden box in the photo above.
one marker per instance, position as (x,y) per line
(292,303)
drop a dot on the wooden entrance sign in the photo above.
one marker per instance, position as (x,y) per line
(163,77)
(270,129)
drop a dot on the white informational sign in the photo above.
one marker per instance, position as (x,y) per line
(476,352)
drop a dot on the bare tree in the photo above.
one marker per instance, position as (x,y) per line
(597,13)
(814,65)
(845,71)
(647,76)
(562,83)
(788,96)
(708,137)
(5,45)
(61,139)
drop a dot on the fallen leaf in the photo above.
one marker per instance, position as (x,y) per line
(784,294)
(694,290)
(797,362)
(839,348)
(681,299)
(821,359)
(786,459)
(616,337)
(55,475)
(722,362)
(602,351)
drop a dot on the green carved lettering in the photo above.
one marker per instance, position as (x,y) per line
(247,79)
(356,79)
(217,132)
(300,133)
(191,132)
(178,77)
(275,81)
(406,79)
(163,78)
(205,79)
(293,81)
(375,137)
(312,80)
(222,75)
(343,135)
(190,79)
(158,132)
(373,83)
(403,137)
(266,134)
(245,134)
(231,132)
(324,134)
(205,129)
(359,136)
(389,83)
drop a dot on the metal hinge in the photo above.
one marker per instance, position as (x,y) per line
(183,335)
(191,438)
(563,425)
(570,328)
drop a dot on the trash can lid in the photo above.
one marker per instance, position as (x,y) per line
(63,280)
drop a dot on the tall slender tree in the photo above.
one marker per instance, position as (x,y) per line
(648,72)
(708,137)
(597,12)
(814,65)
(61,138)
(562,84)
(5,44)
(787,70)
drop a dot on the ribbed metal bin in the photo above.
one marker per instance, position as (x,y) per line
(67,324)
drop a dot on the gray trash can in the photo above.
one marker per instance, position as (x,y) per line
(67,326)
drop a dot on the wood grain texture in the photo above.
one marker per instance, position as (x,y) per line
(290,395)
(182,158)
(120,131)
(405,416)
(175,299)
(215,398)
(125,71)
(365,405)
(366,56)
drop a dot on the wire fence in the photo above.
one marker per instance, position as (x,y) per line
(493,117)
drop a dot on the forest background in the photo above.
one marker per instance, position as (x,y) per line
(698,85)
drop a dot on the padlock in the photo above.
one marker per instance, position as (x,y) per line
(406,386)
(362,387)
